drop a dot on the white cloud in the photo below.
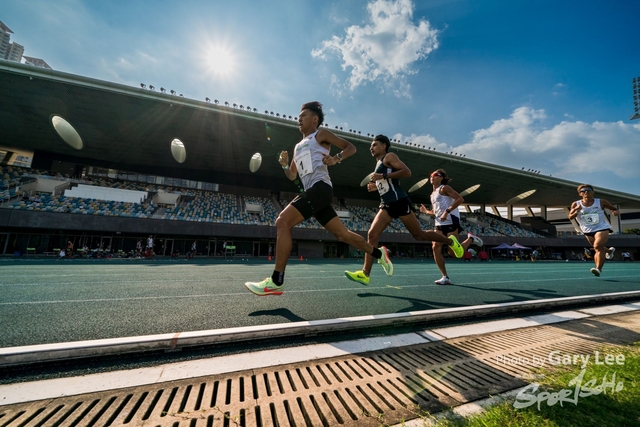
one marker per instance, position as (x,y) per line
(569,149)
(384,50)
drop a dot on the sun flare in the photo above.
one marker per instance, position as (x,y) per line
(220,61)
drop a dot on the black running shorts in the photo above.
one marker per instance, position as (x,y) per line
(451,228)
(316,202)
(398,208)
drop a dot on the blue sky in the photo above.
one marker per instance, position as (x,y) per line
(544,85)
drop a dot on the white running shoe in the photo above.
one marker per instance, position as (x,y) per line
(595,272)
(475,240)
(609,255)
(444,281)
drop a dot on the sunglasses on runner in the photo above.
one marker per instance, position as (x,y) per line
(586,190)
(437,174)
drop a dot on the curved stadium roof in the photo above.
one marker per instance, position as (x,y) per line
(129,128)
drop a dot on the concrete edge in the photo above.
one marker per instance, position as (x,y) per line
(24,355)
(97,382)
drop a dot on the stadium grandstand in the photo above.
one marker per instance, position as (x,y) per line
(104,165)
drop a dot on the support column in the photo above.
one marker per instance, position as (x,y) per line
(616,224)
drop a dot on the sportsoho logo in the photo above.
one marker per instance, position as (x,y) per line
(579,387)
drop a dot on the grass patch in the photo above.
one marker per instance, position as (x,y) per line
(602,401)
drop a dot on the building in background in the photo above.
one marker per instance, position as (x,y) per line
(5,39)
(37,62)
(14,51)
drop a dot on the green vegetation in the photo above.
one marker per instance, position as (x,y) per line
(631,231)
(603,401)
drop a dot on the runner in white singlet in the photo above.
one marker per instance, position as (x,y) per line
(311,159)
(444,207)
(589,212)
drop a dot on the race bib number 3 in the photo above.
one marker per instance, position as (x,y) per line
(591,218)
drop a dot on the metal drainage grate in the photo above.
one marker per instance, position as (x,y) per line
(360,390)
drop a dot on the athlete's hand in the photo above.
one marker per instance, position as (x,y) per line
(371,186)
(283,158)
(329,160)
(575,210)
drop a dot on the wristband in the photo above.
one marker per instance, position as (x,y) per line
(448,211)
(285,167)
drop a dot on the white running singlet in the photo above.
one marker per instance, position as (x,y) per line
(441,203)
(307,156)
(592,218)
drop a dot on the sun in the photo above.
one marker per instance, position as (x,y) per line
(220,61)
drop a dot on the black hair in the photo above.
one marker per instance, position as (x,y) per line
(383,139)
(443,174)
(316,108)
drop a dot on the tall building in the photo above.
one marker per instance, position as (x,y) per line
(14,52)
(5,39)
(37,62)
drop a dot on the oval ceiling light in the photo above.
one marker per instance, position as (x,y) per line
(519,197)
(178,151)
(470,190)
(67,132)
(366,180)
(255,162)
(418,185)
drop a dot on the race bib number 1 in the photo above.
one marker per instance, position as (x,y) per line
(303,161)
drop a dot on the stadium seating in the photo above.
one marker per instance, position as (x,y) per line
(209,206)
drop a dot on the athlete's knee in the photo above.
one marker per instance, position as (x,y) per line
(599,247)
(373,236)
(283,223)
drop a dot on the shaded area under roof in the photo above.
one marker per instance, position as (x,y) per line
(129,128)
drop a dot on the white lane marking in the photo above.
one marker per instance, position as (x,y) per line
(361,289)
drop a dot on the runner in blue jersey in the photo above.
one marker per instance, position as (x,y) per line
(311,159)
(395,203)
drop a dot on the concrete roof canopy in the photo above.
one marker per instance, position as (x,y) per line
(135,129)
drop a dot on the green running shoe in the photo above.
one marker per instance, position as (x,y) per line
(385,261)
(266,287)
(456,247)
(357,276)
